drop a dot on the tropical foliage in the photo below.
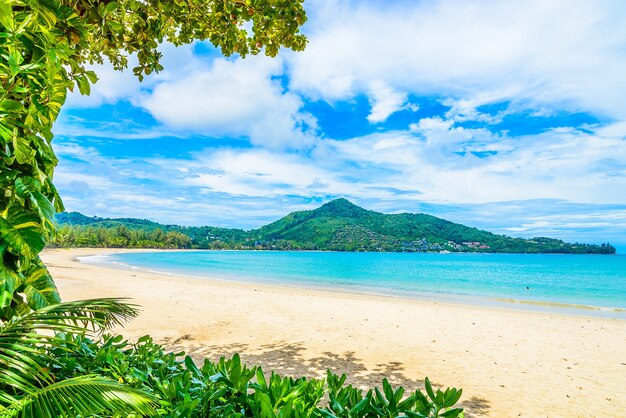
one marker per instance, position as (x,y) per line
(30,347)
(45,49)
(55,362)
(338,225)
(230,388)
(119,237)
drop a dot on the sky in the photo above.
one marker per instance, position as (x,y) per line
(508,116)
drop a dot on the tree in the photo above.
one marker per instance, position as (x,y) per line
(45,49)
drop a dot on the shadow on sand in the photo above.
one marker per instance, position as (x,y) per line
(288,359)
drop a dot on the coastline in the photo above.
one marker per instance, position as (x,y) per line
(499,302)
(508,361)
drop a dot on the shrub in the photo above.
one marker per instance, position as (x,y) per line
(230,388)
(30,345)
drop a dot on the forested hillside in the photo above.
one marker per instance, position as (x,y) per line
(338,225)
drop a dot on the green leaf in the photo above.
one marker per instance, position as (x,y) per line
(83,85)
(11,106)
(387,389)
(360,406)
(7,132)
(429,390)
(28,188)
(439,400)
(25,22)
(9,281)
(453,398)
(57,202)
(406,404)
(83,395)
(24,153)
(8,176)
(110,8)
(15,59)
(91,75)
(191,366)
(260,378)
(15,240)
(21,347)
(6,15)
(39,288)
(453,413)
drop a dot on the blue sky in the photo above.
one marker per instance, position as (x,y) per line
(505,115)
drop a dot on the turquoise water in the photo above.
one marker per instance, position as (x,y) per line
(582,280)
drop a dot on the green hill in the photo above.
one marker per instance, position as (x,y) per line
(338,225)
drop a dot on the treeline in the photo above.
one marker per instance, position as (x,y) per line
(543,245)
(336,226)
(118,237)
(121,236)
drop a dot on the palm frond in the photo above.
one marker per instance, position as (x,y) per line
(84,315)
(25,340)
(84,395)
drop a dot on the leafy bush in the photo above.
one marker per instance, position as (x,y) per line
(230,388)
(29,387)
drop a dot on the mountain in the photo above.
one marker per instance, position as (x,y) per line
(338,225)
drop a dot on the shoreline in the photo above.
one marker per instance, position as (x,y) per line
(496,302)
(509,362)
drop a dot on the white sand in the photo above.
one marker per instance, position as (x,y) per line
(508,362)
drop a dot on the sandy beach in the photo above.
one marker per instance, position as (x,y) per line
(509,362)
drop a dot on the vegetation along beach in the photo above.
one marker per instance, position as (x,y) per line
(312,209)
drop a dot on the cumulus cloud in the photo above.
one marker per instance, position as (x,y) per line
(233,98)
(201,95)
(437,163)
(568,55)
(111,87)
(384,101)
(100,185)
(430,124)
(116,85)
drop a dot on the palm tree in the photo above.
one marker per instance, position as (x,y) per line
(28,389)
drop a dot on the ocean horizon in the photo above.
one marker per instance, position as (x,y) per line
(562,283)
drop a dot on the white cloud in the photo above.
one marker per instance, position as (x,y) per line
(263,173)
(596,224)
(429,124)
(384,101)
(95,184)
(236,98)
(207,95)
(436,163)
(113,85)
(541,55)
(613,130)
(566,54)
(253,173)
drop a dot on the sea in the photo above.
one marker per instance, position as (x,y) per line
(576,284)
